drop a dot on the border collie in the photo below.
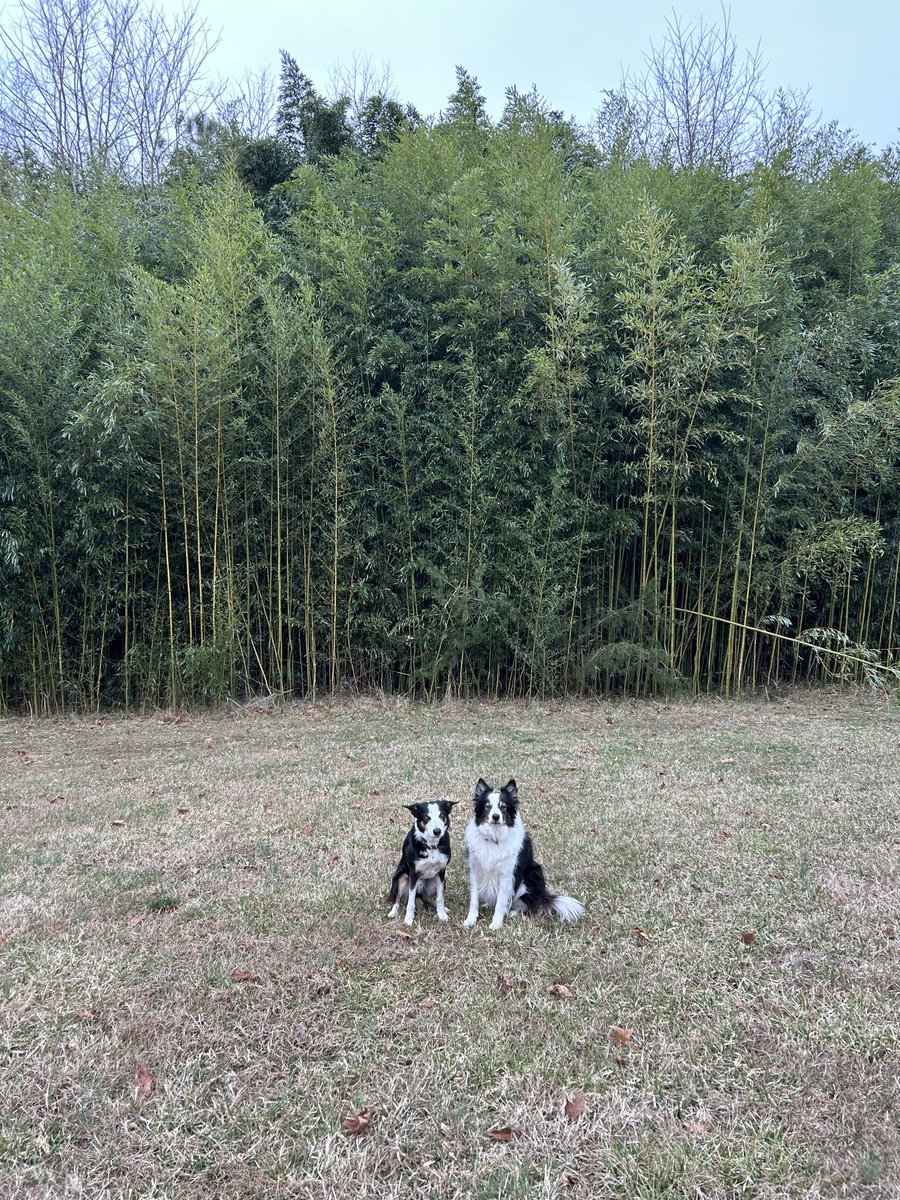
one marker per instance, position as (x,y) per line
(500,861)
(423,860)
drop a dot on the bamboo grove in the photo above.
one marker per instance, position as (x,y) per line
(483,407)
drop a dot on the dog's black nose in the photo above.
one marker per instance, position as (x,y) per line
(436,832)
(495,816)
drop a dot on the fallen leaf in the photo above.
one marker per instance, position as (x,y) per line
(405,935)
(117,822)
(244,977)
(182,810)
(621,1035)
(374,792)
(134,921)
(144,1081)
(640,934)
(504,1134)
(428,1002)
(560,989)
(726,760)
(749,938)
(696,1126)
(305,831)
(278,1074)
(90,1014)
(889,932)
(609,720)
(575,1106)
(4,938)
(362,1120)
(356,806)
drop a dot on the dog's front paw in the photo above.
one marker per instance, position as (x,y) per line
(470,921)
(443,916)
(495,924)
(393,913)
(407,920)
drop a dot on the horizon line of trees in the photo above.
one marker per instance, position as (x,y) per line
(316,393)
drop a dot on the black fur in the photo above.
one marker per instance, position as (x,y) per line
(416,848)
(534,896)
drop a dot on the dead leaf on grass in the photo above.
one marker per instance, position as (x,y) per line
(560,989)
(618,1033)
(118,821)
(749,938)
(699,1127)
(354,1125)
(640,934)
(134,921)
(505,1134)
(4,938)
(575,1106)
(889,932)
(89,1014)
(181,810)
(144,1081)
(244,977)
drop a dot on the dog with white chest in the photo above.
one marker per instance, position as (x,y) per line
(500,861)
(423,860)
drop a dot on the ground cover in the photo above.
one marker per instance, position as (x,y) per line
(198,982)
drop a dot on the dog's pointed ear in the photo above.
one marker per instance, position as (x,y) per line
(446,806)
(481,789)
(511,790)
(413,808)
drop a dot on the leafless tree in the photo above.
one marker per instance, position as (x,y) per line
(85,82)
(698,101)
(251,104)
(357,82)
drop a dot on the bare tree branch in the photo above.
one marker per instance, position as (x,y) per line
(100,82)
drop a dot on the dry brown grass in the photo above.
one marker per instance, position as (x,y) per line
(767,1069)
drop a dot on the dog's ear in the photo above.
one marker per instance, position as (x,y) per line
(511,790)
(481,789)
(413,808)
(446,806)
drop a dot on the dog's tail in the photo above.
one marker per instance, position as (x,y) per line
(566,908)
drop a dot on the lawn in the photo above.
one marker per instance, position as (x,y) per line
(199,983)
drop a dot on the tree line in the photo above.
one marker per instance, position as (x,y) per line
(312,392)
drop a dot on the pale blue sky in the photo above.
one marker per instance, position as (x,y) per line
(847,53)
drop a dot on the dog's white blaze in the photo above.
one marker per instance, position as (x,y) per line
(436,827)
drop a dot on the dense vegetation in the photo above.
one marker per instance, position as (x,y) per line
(499,407)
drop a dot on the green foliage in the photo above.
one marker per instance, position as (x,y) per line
(478,407)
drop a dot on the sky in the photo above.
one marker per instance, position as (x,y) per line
(847,54)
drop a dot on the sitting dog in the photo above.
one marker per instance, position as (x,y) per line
(500,861)
(423,860)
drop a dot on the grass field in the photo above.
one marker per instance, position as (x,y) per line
(198,982)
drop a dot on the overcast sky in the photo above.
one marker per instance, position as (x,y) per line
(847,53)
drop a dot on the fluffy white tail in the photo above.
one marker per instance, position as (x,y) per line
(566,908)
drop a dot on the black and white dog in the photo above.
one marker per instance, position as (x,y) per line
(423,860)
(500,861)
